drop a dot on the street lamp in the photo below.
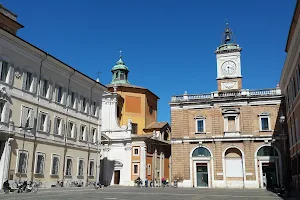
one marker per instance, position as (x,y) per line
(282,121)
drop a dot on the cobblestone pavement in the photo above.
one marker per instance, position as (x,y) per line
(131,193)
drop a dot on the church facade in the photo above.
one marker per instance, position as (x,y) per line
(230,137)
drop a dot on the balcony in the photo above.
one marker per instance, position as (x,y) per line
(219,95)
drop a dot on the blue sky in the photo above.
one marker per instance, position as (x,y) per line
(168,45)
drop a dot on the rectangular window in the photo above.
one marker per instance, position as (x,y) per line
(200,125)
(94,108)
(58,125)
(59,94)
(22,162)
(72,96)
(71,129)
(83,104)
(134,128)
(136,151)
(80,167)
(42,122)
(94,135)
(40,163)
(82,132)
(55,165)
(69,166)
(44,88)
(265,123)
(27,118)
(28,81)
(4,71)
(91,168)
(135,169)
(149,170)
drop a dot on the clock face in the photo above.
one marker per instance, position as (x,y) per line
(228,67)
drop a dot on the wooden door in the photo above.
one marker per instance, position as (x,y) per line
(117,177)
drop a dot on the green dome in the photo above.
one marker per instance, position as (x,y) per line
(120,65)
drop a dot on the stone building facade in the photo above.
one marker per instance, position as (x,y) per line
(230,137)
(290,86)
(50,114)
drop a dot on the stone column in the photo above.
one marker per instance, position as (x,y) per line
(143,163)
(5,162)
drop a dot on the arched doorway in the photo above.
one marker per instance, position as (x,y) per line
(269,166)
(234,168)
(201,162)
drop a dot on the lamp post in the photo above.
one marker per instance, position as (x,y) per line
(282,121)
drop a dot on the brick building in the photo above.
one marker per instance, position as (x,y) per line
(230,137)
(290,86)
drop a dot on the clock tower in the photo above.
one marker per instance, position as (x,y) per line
(229,63)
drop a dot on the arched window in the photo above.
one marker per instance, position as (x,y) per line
(201,152)
(267,151)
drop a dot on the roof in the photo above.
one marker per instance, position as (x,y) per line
(120,65)
(157,125)
(131,86)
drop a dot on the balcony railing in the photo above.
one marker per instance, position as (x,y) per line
(213,95)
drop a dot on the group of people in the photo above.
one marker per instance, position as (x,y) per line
(139,182)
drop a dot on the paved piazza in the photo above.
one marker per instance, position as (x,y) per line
(131,193)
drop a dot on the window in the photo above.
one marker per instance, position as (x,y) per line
(59,90)
(135,169)
(28,81)
(55,165)
(43,122)
(22,161)
(264,122)
(39,163)
(72,99)
(82,132)
(200,125)
(4,71)
(71,130)
(134,128)
(4,111)
(44,87)
(91,168)
(94,106)
(80,167)
(122,76)
(150,110)
(69,165)
(136,151)
(94,135)
(149,169)
(84,104)
(27,118)
(58,126)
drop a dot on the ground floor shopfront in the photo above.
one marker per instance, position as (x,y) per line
(227,164)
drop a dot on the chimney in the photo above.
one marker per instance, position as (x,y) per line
(8,20)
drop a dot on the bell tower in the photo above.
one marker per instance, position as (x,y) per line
(228,56)
(120,72)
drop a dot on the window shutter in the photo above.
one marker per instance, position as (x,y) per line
(5,113)
(39,121)
(63,128)
(10,74)
(75,132)
(41,86)
(50,91)
(87,106)
(31,118)
(87,136)
(64,96)
(97,111)
(55,126)
(48,123)
(33,84)
(92,109)
(1,61)
(24,112)
(80,104)
(69,100)
(24,80)
(55,94)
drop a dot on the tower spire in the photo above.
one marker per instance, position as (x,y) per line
(228,36)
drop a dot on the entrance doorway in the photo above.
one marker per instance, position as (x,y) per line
(117,177)
(202,175)
(269,175)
